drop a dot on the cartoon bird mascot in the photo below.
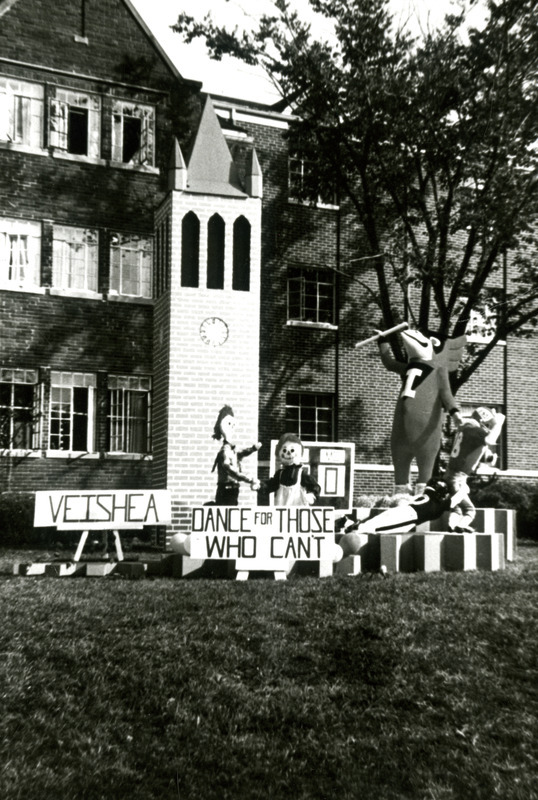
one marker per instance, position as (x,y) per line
(424,397)
(292,484)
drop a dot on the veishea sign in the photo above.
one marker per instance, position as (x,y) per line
(90,510)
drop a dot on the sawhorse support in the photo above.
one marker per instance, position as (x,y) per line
(82,542)
(243,575)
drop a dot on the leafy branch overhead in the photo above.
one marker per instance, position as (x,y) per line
(431,140)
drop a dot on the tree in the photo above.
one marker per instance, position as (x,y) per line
(432,140)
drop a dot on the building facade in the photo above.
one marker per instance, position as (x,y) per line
(155,265)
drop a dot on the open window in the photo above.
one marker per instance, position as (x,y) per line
(133,133)
(75,123)
(311,295)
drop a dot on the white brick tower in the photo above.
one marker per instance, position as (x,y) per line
(206,332)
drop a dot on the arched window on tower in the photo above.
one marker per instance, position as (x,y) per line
(190,250)
(215,252)
(241,259)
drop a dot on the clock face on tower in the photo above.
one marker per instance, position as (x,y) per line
(213,331)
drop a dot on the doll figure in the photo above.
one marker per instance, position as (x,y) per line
(424,397)
(228,461)
(470,446)
(292,484)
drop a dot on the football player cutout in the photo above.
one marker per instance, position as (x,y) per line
(430,504)
(228,461)
(470,446)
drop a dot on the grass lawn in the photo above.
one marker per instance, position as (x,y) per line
(414,686)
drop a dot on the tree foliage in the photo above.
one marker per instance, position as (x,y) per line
(432,139)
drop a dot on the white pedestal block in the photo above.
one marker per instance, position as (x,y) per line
(349,565)
(428,551)
(490,551)
(459,552)
(396,552)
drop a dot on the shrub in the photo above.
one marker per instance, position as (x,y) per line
(505,493)
(17,519)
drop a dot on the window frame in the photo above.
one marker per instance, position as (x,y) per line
(119,425)
(32,233)
(22,111)
(144,156)
(297,193)
(90,272)
(305,276)
(119,249)
(16,378)
(62,106)
(71,385)
(309,430)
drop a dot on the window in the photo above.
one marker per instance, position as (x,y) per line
(131,259)
(215,252)
(241,255)
(310,295)
(19,407)
(190,250)
(133,133)
(20,252)
(21,112)
(71,411)
(310,416)
(303,181)
(482,324)
(75,258)
(128,414)
(75,123)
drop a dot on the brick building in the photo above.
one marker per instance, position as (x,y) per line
(154,266)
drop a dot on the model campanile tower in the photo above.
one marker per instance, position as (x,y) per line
(206,331)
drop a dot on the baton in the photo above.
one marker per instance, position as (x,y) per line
(401,327)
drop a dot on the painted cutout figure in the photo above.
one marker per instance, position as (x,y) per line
(228,461)
(436,498)
(424,397)
(292,484)
(470,446)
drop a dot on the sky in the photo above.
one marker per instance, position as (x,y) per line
(229,77)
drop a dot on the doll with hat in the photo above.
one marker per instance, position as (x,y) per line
(228,461)
(292,484)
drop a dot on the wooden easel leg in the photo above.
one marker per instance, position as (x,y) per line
(80,546)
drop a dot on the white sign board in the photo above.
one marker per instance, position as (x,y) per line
(99,510)
(262,538)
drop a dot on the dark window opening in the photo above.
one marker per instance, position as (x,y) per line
(241,255)
(132,137)
(215,253)
(77,131)
(190,251)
